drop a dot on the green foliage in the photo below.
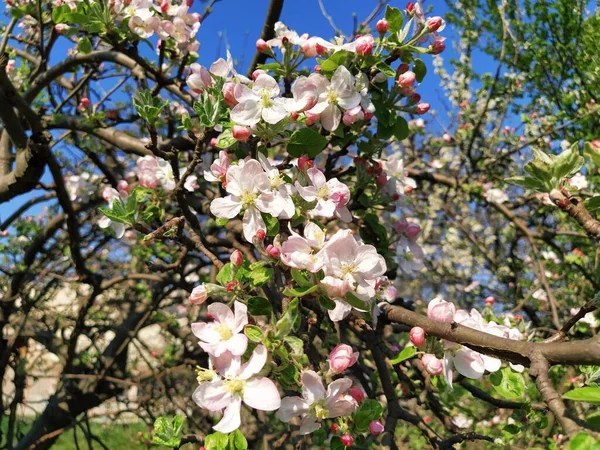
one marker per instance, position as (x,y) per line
(508,384)
(583,441)
(306,141)
(148,106)
(589,394)
(254,333)
(168,432)
(259,306)
(407,353)
(368,411)
(395,19)
(209,109)
(290,319)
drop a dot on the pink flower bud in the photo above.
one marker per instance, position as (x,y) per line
(441,310)
(381,180)
(232,285)
(273,251)
(368,115)
(432,365)
(412,231)
(335,427)
(261,45)
(199,295)
(305,163)
(60,28)
(342,357)
(123,185)
(236,259)
(311,118)
(353,115)
(406,79)
(437,47)
(317,68)
(347,440)
(402,68)
(435,23)
(382,26)
(595,143)
(84,103)
(357,393)
(447,138)
(364,45)
(417,336)
(415,98)
(214,141)
(260,234)
(376,427)
(410,8)
(229,94)
(256,73)
(240,133)
(490,300)
(395,196)
(422,108)
(294,116)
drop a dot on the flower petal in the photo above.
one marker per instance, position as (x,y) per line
(261,393)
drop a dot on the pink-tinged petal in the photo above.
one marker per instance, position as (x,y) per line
(319,107)
(220,68)
(221,363)
(469,363)
(448,365)
(344,214)
(212,396)
(246,113)
(241,316)
(238,344)
(317,177)
(268,83)
(340,312)
(331,117)
(252,222)
(226,207)
(119,229)
(308,193)
(206,332)
(256,362)
(261,393)
(324,208)
(231,419)
(243,93)
(216,349)
(309,424)
(491,364)
(221,313)
(341,407)
(350,101)
(291,407)
(342,79)
(312,387)
(274,114)
(338,387)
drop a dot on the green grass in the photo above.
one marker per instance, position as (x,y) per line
(113,436)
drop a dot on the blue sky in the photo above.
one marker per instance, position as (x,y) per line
(236,24)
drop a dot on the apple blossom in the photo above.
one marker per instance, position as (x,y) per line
(261,45)
(363,45)
(199,79)
(353,115)
(199,295)
(111,195)
(282,191)
(302,252)
(316,403)
(331,196)
(432,364)
(237,383)
(225,333)
(342,357)
(240,133)
(376,427)
(218,169)
(236,258)
(382,26)
(357,393)
(304,95)
(422,108)
(435,24)
(347,440)
(406,79)
(248,187)
(333,95)
(261,101)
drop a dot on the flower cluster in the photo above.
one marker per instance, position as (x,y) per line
(465,361)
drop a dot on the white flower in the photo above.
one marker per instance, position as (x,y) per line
(331,196)
(261,101)
(334,96)
(496,196)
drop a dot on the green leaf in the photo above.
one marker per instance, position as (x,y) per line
(259,306)
(401,128)
(216,441)
(59,14)
(395,18)
(221,221)
(326,302)
(226,139)
(300,291)
(148,106)
(356,302)
(336,444)
(583,441)
(295,344)
(259,273)
(592,203)
(272,224)
(407,353)
(369,411)
(527,183)
(84,46)
(508,384)
(420,70)
(386,70)
(225,275)
(167,432)
(592,152)
(567,163)
(237,441)
(512,429)
(290,320)
(300,277)
(585,394)
(254,333)
(306,141)
(335,60)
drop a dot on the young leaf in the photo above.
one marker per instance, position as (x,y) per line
(395,18)
(585,394)
(225,275)
(407,353)
(508,384)
(259,306)
(306,141)
(420,70)
(216,441)
(254,333)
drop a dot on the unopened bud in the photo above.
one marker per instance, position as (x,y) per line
(376,427)
(240,133)
(435,23)
(256,73)
(261,45)
(437,47)
(490,300)
(305,163)
(273,251)
(422,108)
(236,259)
(260,234)
(406,79)
(417,336)
(382,26)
